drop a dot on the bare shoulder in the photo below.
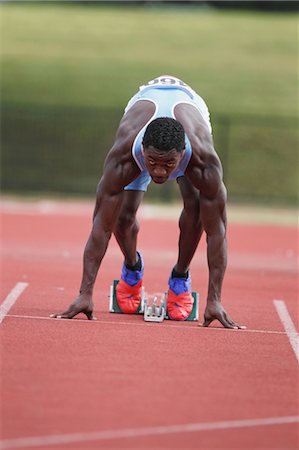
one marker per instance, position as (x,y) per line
(205,173)
(130,125)
(120,167)
(199,135)
(133,121)
(204,168)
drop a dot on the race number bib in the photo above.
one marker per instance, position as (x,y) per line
(165,81)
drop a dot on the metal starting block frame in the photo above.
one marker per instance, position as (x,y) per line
(152,312)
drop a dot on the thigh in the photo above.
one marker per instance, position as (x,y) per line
(189,193)
(130,202)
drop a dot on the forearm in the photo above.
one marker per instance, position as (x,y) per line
(105,215)
(217,262)
(94,253)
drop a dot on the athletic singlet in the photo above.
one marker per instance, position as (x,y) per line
(165,92)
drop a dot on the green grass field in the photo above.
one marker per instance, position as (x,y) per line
(97,56)
(68,71)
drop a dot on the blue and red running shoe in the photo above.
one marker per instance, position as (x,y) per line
(179,298)
(129,288)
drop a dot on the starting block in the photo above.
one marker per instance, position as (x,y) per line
(194,313)
(152,311)
(113,304)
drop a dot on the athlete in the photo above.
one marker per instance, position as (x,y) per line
(165,134)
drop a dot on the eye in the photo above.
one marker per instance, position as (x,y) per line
(170,164)
(151,162)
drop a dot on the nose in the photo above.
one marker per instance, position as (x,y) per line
(160,171)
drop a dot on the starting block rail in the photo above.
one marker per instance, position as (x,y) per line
(152,311)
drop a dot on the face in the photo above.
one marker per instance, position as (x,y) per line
(159,164)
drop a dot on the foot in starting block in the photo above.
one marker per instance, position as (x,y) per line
(194,312)
(158,313)
(113,303)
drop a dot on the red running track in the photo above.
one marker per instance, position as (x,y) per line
(119,382)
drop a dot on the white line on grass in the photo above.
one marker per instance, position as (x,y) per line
(11,299)
(58,439)
(141,323)
(288,325)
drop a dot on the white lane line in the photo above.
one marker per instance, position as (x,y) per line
(58,439)
(288,325)
(11,299)
(143,324)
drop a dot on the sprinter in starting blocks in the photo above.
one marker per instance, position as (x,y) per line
(152,309)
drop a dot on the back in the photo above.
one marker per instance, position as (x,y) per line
(165,93)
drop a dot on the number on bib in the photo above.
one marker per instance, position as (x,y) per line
(165,81)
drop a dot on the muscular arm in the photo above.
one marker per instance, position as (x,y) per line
(105,215)
(206,175)
(119,171)
(213,216)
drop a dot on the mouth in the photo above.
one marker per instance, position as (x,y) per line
(159,180)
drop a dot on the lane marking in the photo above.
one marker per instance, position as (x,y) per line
(57,439)
(11,299)
(288,325)
(141,324)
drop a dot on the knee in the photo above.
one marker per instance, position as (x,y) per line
(191,214)
(127,220)
(192,207)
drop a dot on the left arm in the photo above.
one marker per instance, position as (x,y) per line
(213,217)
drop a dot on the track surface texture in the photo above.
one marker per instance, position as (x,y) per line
(122,383)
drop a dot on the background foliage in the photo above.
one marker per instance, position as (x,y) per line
(68,71)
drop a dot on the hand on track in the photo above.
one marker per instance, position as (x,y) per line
(82,304)
(215,311)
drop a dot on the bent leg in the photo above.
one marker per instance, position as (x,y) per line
(129,288)
(190,225)
(179,299)
(127,226)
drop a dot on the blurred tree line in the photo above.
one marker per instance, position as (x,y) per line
(68,69)
(259,5)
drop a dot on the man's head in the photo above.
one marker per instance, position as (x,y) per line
(163,147)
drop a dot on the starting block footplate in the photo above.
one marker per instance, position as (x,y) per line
(114,307)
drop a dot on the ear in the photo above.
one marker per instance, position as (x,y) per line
(183,151)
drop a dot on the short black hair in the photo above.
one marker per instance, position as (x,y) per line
(165,134)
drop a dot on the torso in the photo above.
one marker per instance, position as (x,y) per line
(164,97)
(171,101)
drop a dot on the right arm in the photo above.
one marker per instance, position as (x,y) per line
(105,215)
(119,171)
